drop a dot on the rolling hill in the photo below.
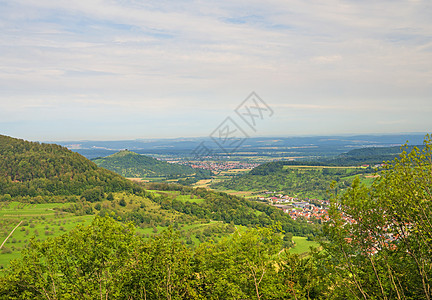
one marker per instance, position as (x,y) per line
(33,169)
(131,164)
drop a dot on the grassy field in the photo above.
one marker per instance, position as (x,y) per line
(40,221)
(302,245)
(366,179)
(202,183)
(223,175)
(189,198)
(176,195)
(18,209)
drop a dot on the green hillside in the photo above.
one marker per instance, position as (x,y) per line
(301,181)
(131,164)
(35,169)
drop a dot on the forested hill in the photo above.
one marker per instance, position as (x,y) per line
(371,155)
(32,169)
(356,157)
(131,164)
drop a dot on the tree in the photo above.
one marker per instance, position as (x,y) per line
(122,202)
(89,262)
(380,238)
(240,267)
(105,260)
(93,195)
(6,197)
(167,272)
(110,197)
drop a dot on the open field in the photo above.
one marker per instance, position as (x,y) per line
(365,179)
(39,221)
(176,195)
(189,198)
(221,176)
(235,171)
(246,194)
(137,179)
(203,183)
(302,245)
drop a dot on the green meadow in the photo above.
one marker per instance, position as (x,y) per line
(302,245)
(39,221)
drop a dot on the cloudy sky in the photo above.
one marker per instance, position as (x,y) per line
(125,69)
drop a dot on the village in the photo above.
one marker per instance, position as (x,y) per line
(312,210)
(217,166)
(316,211)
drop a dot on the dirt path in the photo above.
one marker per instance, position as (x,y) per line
(10,234)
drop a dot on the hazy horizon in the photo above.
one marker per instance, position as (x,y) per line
(376,134)
(257,137)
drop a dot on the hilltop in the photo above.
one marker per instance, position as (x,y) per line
(131,164)
(35,169)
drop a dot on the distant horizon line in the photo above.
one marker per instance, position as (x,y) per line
(252,137)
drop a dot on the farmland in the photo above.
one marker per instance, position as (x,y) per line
(39,221)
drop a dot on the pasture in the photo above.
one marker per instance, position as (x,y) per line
(302,245)
(39,221)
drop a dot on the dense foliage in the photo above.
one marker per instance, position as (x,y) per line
(30,168)
(131,164)
(108,261)
(380,238)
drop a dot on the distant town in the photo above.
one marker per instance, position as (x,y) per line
(217,166)
(312,210)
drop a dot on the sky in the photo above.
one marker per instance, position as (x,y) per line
(129,69)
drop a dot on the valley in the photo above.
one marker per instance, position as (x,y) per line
(282,216)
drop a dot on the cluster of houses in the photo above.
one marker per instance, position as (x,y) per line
(316,211)
(221,165)
(374,166)
(312,210)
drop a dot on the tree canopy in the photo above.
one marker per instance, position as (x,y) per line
(380,238)
(108,260)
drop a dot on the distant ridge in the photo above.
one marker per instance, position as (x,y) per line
(371,155)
